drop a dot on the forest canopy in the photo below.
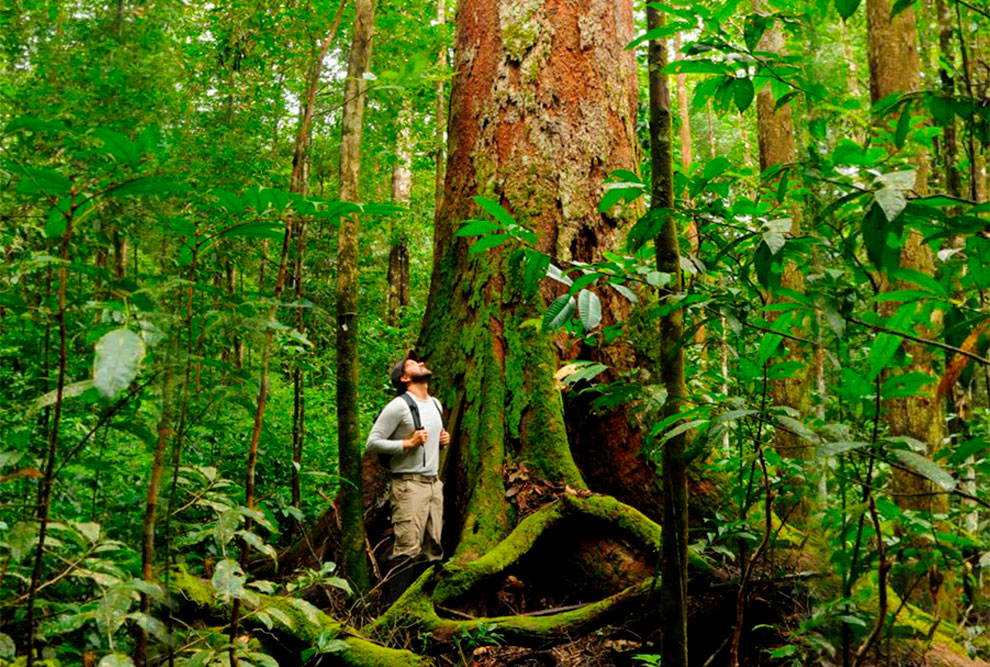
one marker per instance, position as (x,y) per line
(704,286)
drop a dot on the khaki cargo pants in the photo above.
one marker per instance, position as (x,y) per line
(417,516)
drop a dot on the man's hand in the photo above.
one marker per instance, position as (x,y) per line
(417,439)
(444,438)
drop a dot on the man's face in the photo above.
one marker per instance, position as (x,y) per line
(416,371)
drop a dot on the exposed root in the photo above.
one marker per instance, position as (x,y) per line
(298,619)
(417,609)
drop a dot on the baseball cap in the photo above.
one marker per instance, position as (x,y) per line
(400,369)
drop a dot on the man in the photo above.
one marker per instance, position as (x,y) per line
(417,493)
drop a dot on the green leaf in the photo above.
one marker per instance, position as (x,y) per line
(697,67)
(116,660)
(150,185)
(891,201)
(716,167)
(118,145)
(899,7)
(840,447)
(112,609)
(768,345)
(583,281)
(590,309)
(256,230)
(558,312)
(255,541)
(903,125)
(785,99)
(487,243)
(926,468)
(36,180)
(743,93)
(228,200)
(7,647)
(228,579)
(477,228)
(495,210)
(33,124)
(846,8)
(118,355)
(753,30)
(882,351)
(537,264)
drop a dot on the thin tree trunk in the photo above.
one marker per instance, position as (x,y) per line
(353,559)
(151,505)
(259,415)
(45,488)
(673,563)
(398,256)
(776,138)
(299,183)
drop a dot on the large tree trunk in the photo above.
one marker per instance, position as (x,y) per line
(894,68)
(542,110)
(349,447)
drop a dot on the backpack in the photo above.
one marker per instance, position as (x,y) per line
(385,460)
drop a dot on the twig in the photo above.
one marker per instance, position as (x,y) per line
(883,567)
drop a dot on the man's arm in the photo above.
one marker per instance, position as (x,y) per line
(379,440)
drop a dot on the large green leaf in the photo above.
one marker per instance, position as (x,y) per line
(590,309)
(118,355)
(487,243)
(116,660)
(743,93)
(495,210)
(926,468)
(558,312)
(477,228)
(846,8)
(228,579)
(119,146)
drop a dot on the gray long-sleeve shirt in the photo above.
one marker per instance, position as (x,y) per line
(395,424)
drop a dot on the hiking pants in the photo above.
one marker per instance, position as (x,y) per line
(417,516)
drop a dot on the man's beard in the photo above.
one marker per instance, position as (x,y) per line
(421,378)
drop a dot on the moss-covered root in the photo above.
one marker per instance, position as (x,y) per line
(417,606)
(299,619)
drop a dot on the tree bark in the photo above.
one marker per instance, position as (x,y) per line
(776,139)
(894,68)
(674,551)
(542,109)
(439,114)
(353,560)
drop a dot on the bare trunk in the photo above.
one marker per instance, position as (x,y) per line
(398,256)
(349,448)
(439,113)
(674,563)
(45,488)
(776,138)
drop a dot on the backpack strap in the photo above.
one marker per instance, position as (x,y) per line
(414,409)
(439,409)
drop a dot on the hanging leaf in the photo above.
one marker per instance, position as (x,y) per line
(590,309)
(118,355)
(116,660)
(35,180)
(846,8)
(903,125)
(753,30)
(112,609)
(558,312)
(495,210)
(926,468)
(477,228)
(836,448)
(118,146)
(487,243)
(743,93)
(256,230)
